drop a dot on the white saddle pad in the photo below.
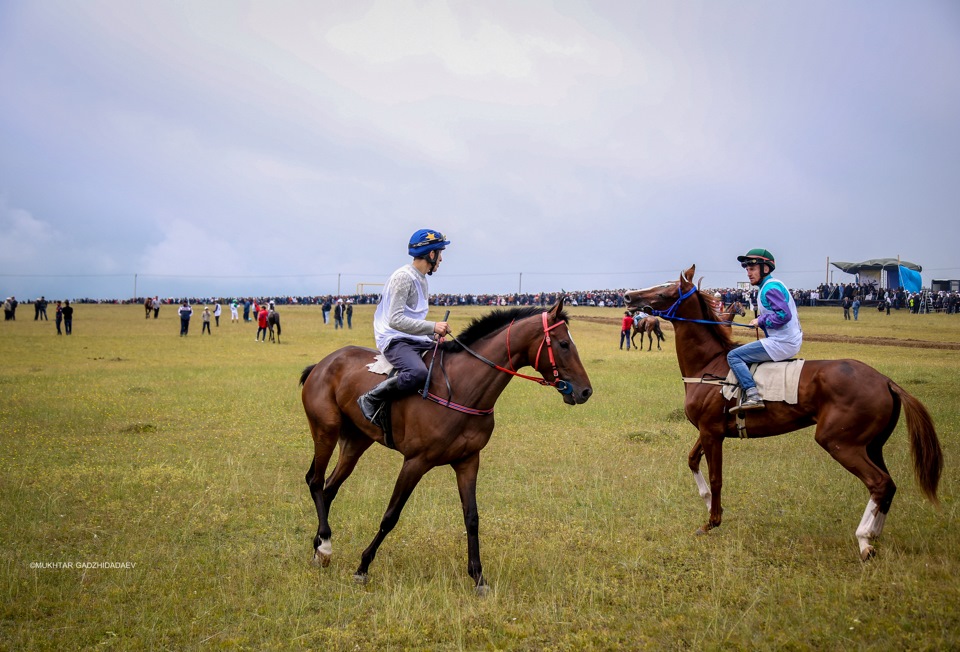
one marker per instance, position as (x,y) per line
(380,365)
(776,381)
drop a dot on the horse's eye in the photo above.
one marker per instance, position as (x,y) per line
(564,344)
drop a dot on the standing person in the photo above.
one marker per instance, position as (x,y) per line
(205,318)
(36,309)
(856,308)
(185,312)
(234,313)
(399,323)
(43,309)
(216,313)
(349,313)
(778,319)
(7,310)
(156,306)
(262,315)
(846,303)
(246,310)
(338,314)
(67,317)
(625,325)
(59,317)
(13,308)
(326,310)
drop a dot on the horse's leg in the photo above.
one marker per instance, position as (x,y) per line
(693,461)
(322,449)
(467,485)
(857,458)
(351,448)
(713,448)
(633,339)
(649,340)
(410,474)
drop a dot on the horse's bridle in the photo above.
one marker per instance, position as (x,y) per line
(670,313)
(561,386)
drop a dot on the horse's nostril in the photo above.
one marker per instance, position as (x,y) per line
(586,393)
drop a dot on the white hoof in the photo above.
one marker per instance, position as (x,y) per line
(361,579)
(323,553)
(483,590)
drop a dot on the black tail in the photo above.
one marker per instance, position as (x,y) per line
(660,333)
(305,373)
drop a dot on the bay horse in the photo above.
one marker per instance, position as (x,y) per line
(649,326)
(728,312)
(855,409)
(273,319)
(475,369)
(148,306)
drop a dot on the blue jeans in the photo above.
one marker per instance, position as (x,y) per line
(405,355)
(625,335)
(741,358)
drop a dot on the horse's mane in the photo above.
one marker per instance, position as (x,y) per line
(708,308)
(492,322)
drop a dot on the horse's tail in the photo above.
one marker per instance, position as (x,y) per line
(924,445)
(659,332)
(277,319)
(306,371)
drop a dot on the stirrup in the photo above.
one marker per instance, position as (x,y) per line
(747,404)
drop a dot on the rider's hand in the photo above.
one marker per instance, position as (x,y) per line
(441,328)
(755,323)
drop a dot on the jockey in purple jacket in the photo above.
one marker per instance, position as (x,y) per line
(778,319)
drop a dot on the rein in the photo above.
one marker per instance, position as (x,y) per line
(670,313)
(561,386)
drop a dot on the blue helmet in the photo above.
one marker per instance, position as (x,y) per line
(426,240)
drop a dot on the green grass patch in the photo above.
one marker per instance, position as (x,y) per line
(152,497)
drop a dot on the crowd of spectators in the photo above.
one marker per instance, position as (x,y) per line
(825,294)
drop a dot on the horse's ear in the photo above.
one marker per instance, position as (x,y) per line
(557,307)
(699,282)
(688,275)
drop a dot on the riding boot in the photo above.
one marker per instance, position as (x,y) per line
(751,400)
(372,402)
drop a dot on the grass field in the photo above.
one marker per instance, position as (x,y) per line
(152,497)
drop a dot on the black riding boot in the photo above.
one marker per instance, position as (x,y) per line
(371,402)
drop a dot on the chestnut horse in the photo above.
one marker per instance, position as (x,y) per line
(474,369)
(855,409)
(148,306)
(650,326)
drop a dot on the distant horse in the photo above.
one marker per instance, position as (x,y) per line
(273,319)
(476,368)
(649,326)
(726,314)
(855,409)
(148,306)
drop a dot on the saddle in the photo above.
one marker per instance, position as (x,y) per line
(776,381)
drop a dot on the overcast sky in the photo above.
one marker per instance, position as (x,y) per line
(292,147)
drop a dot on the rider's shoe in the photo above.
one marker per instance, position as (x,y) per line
(372,402)
(751,400)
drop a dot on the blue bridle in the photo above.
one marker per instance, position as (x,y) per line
(670,313)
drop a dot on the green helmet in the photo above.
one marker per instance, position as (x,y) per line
(758,257)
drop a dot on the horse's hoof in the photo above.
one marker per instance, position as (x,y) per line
(361,578)
(703,529)
(867,553)
(483,590)
(321,559)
